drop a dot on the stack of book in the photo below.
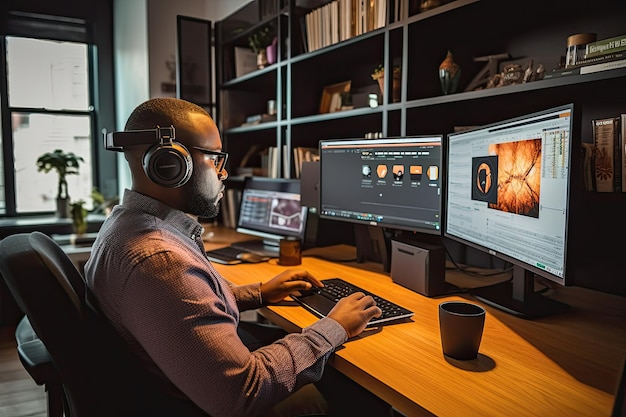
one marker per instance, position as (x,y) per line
(340,20)
(303,154)
(602,55)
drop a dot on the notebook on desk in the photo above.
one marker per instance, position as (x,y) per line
(270,209)
(321,300)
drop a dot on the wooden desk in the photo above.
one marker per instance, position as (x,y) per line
(566,365)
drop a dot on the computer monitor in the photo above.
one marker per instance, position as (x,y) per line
(270,208)
(383,183)
(508,194)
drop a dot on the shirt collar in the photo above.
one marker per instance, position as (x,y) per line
(136,201)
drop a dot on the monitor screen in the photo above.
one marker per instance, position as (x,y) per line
(270,208)
(385,182)
(507,194)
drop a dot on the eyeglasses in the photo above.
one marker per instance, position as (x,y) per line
(219,158)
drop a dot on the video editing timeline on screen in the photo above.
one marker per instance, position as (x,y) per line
(388,181)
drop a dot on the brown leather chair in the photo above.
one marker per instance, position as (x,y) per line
(66,345)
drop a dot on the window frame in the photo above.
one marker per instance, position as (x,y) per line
(49,22)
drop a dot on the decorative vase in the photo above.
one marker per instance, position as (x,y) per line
(261,59)
(449,74)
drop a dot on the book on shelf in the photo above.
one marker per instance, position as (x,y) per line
(340,20)
(614,61)
(588,150)
(269,160)
(255,119)
(605,46)
(603,66)
(245,61)
(303,154)
(607,158)
(612,56)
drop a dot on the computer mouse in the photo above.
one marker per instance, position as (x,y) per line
(251,258)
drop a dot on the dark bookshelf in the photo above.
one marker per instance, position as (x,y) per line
(417,42)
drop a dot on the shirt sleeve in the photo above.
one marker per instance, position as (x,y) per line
(248,296)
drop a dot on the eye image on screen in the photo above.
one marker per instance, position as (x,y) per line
(381,171)
(415,171)
(433,172)
(519,176)
(485,179)
(286,214)
(398,172)
(366,170)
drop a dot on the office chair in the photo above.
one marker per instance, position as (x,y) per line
(65,344)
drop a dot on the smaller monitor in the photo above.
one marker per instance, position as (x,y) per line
(270,208)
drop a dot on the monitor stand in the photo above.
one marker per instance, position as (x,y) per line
(373,244)
(518,297)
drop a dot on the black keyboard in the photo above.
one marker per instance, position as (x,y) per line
(336,288)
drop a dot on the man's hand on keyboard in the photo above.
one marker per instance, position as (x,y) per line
(287,282)
(354,311)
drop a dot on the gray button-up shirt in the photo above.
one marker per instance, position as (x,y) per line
(151,278)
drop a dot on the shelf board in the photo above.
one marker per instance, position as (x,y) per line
(517,88)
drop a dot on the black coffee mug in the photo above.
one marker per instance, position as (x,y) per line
(461,327)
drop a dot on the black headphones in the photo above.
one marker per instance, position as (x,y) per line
(167,163)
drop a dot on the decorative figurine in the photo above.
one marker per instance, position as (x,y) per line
(449,74)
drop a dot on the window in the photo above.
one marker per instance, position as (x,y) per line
(48,96)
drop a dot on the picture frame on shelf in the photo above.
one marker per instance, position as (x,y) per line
(331,96)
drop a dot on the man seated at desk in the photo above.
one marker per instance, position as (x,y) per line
(149,273)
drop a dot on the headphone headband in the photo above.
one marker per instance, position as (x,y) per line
(115,141)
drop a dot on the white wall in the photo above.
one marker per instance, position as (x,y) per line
(162,34)
(130,43)
(144,40)
(219,9)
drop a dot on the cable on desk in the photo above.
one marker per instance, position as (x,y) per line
(474,273)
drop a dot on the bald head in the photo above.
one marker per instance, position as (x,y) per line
(194,129)
(164,112)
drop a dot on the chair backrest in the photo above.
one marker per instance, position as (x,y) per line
(100,376)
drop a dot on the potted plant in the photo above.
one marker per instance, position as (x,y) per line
(379,75)
(79,217)
(259,41)
(64,163)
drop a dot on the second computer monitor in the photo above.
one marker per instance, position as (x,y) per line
(270,209)
(385,182)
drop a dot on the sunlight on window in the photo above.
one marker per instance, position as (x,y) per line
(47,74)
(36,134)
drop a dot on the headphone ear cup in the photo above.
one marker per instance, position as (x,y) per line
(168,165)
